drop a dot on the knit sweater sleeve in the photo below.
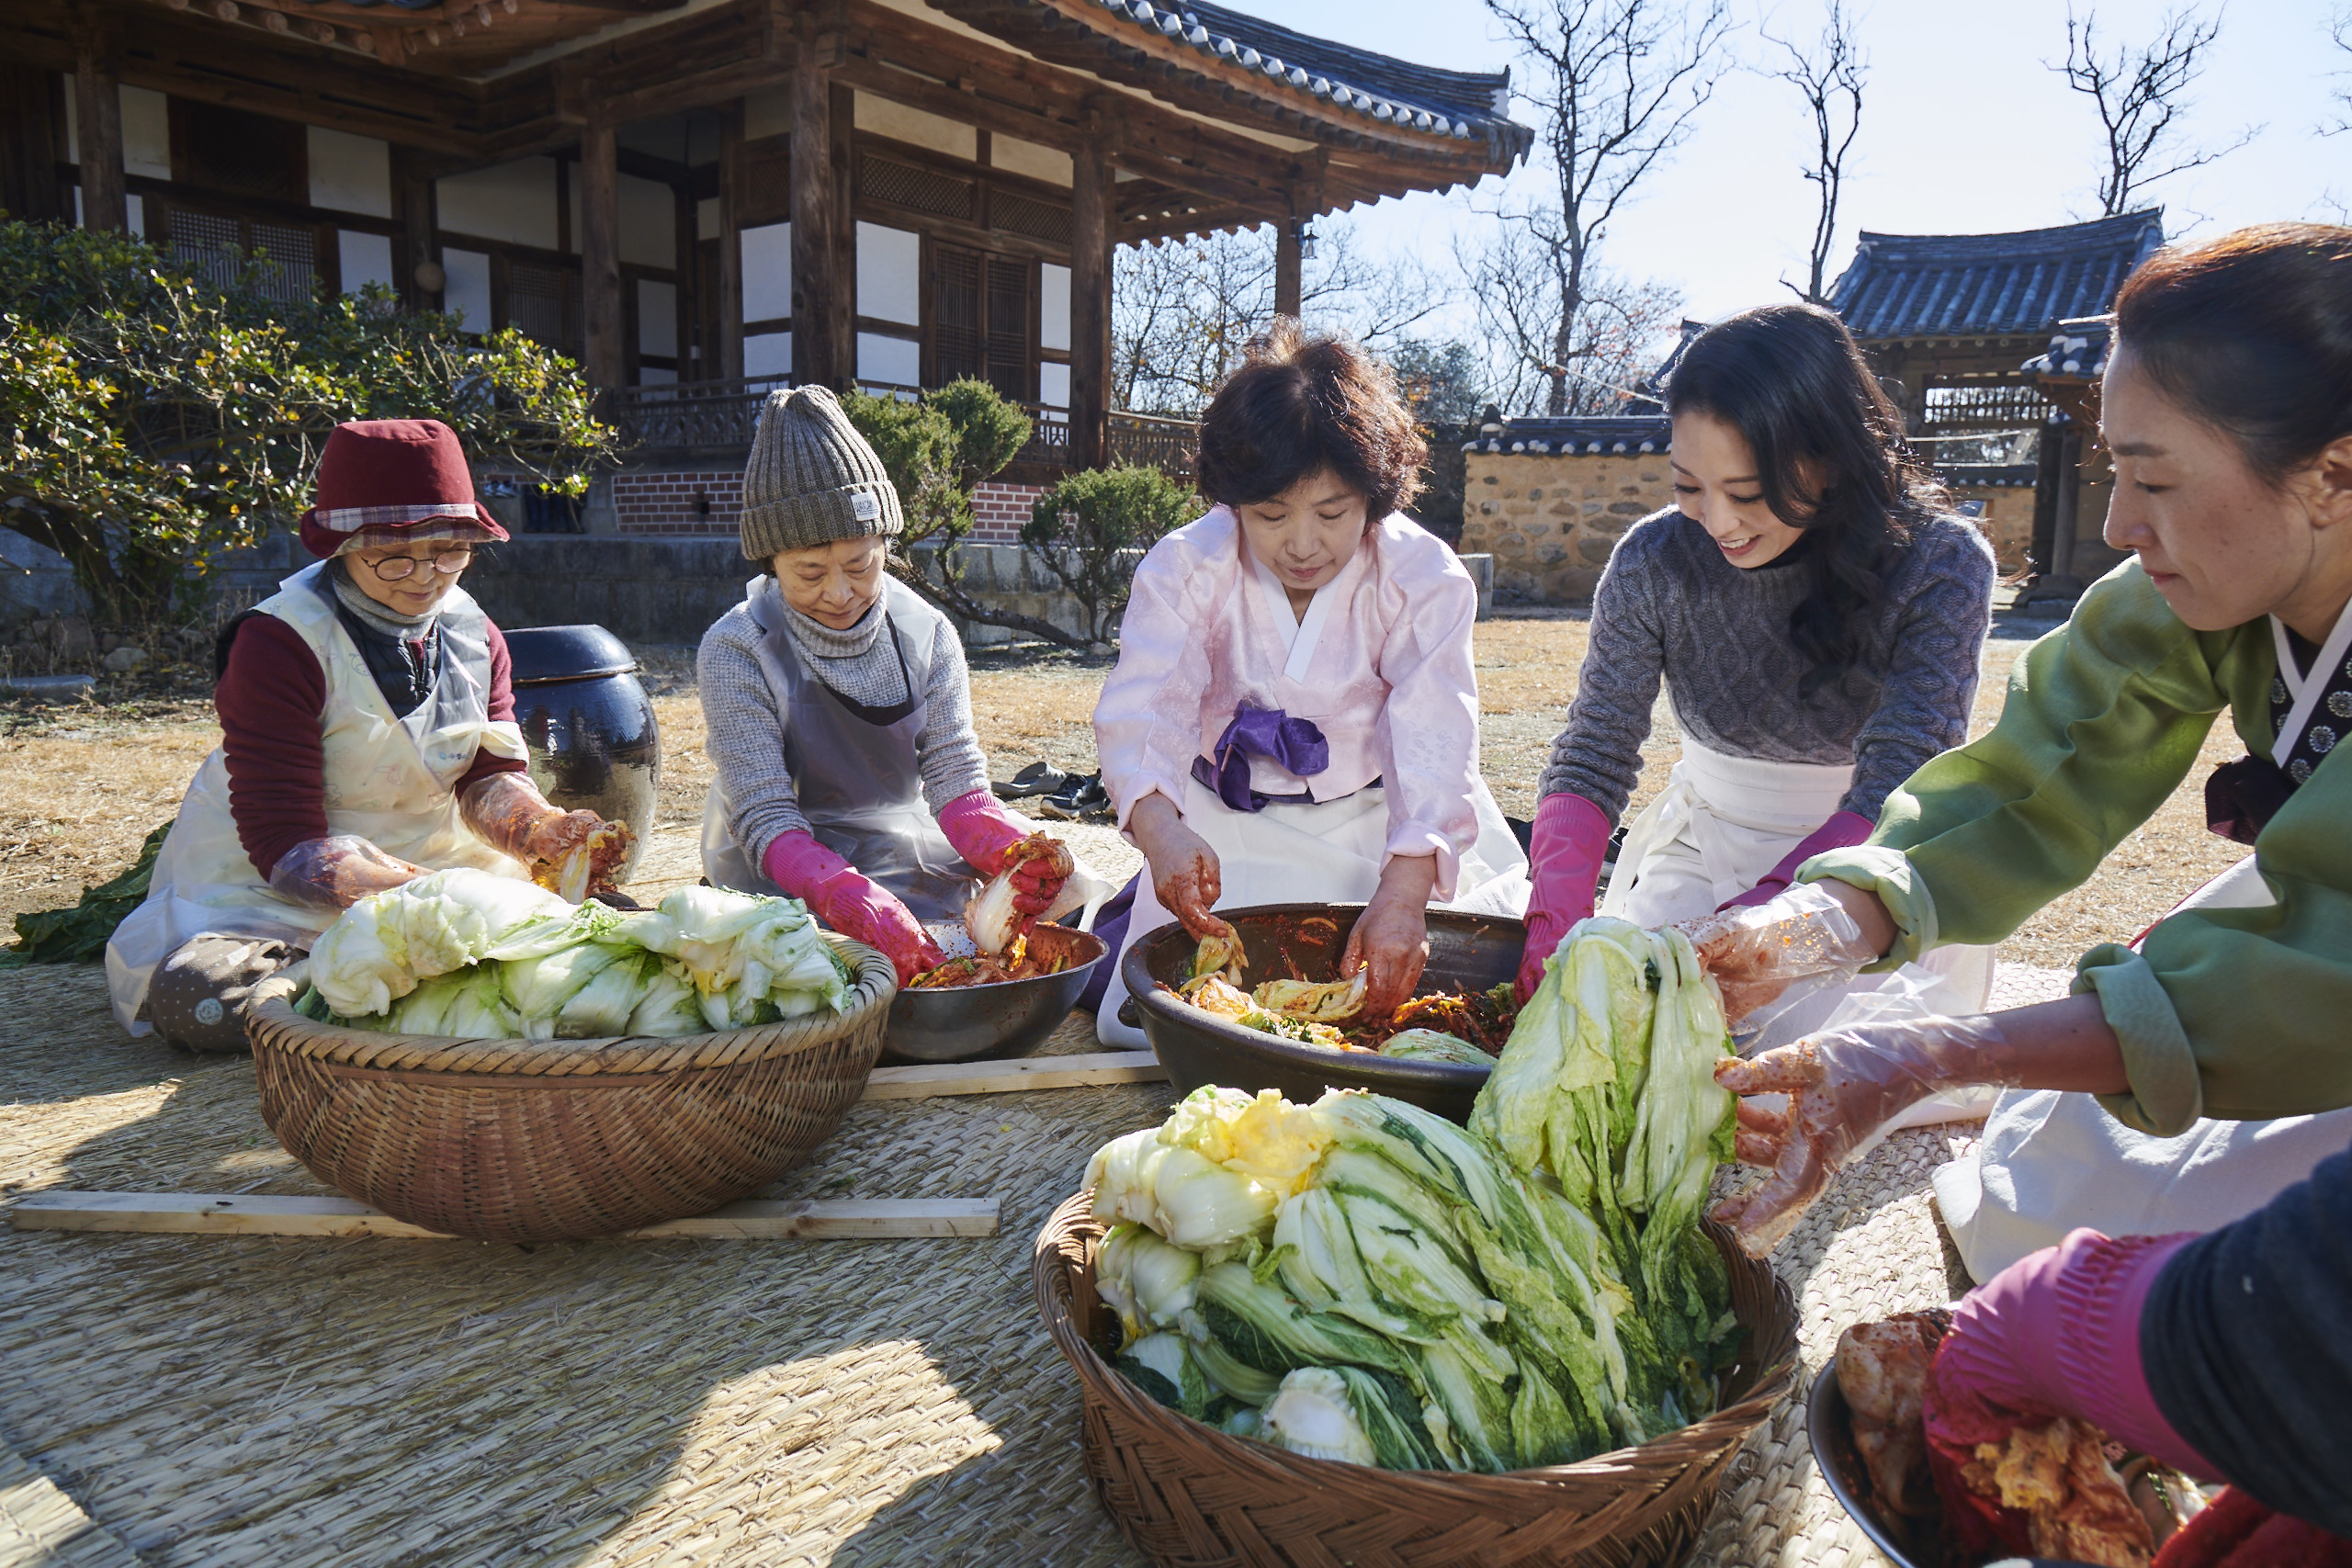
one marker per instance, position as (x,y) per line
(948,752)
(269,700)
(1933,670)
(1599,755)
(744,736)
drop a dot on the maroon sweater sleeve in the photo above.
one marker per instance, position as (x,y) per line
(269,700)
(502,710)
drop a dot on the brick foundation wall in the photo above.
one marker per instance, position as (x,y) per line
(656,502)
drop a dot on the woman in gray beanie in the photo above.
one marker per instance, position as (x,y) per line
(839,709)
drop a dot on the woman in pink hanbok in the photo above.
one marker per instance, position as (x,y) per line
(1293,718)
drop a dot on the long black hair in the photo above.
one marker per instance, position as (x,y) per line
(1791,379)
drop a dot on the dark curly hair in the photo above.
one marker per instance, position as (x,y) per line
(2252,334)
(1791,379)
(1296,406)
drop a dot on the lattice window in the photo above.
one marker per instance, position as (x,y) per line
(982,311)
(543,304)
(1008,333)
(1025,215)
(1986,407)
(885,179)
(219,249)
(957,334)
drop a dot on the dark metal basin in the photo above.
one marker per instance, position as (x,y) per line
(1830,1427)
(1472,950)
(1009,1020)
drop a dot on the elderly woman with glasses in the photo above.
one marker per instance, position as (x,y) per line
(367,738)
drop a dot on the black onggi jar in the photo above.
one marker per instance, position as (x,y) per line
(594,745)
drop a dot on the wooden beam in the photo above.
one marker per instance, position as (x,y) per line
(731,242)
(819,323)
(419,245)
(600,255)
(97,111)
(1090,296)
(1091,1068)
(264,1213)
(1289,257)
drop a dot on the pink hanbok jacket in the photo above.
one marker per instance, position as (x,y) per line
(1381,663)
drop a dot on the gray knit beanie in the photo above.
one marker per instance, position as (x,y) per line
(812,479)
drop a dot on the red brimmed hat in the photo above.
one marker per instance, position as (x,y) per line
(394,481)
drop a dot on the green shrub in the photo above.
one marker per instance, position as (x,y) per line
(1091,529)
(150,420)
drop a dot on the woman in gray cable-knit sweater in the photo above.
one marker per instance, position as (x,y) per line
(839,709)
(1815,617)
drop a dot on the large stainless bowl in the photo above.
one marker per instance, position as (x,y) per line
(1830,1427)
(1008,1019)
(1472,950)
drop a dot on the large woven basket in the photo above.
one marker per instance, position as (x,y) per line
(526,1141)
(1186,1493)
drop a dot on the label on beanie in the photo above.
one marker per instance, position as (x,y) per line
(863,507)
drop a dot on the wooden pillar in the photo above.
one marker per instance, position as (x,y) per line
(600,255)
(819,356)
(694,355)
(97,111)
(419,252)
(1090,297)
(843,120)
(1288,259)
(30,153)
(729,349)
(2070,492)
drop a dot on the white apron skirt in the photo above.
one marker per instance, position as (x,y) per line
(2051,1162)
(1717,828)
(1327,853)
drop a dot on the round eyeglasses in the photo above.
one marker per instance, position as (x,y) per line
(449,563)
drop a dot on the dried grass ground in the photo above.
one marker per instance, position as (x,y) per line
(79,787)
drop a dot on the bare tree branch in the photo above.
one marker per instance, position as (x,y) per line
(1617,84)
(2139,95)
(1514,278)
(1182,311)
(2339,30)
(1830,75)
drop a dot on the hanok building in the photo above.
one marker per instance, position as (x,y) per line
(1949,321)
(702,198)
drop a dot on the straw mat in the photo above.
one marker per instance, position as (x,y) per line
(232,1400)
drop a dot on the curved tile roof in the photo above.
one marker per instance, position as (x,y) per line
(1904,286)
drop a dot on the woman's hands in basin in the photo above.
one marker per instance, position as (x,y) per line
(1184,875)
(1391,939)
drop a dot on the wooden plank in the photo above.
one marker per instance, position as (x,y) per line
(264,1213)
(1022,1073)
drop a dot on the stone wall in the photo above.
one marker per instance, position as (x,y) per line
(2006,513)
(1550,522)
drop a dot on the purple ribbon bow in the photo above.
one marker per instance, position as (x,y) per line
(1293,743)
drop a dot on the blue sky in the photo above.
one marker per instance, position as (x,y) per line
(1963,130)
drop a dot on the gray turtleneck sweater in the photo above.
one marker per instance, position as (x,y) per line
(1670,607)
(746,733)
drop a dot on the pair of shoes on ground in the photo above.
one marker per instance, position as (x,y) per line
(1057,794)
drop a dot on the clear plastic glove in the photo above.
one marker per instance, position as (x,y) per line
(507,812)
(1754,951)
(852,903)
(986,834)
(1844,1087)
(1565,852)
(336,872)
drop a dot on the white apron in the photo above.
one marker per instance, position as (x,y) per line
(2051,1162)
(388,779)
(1717,828)
(1322,852)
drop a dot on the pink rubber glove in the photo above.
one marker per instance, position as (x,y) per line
(1563,858)
(850,903)
(336,872)
(1844,1087)
(1755,952)
(1842,831)
(985,834)
(2057,1333)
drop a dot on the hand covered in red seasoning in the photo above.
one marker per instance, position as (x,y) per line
(1843,1088)
(1037,883)
(1391,937)
(557,834)
(1755,952)
(336,872)
(1184,873)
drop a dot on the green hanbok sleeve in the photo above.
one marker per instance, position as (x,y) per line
(2222,1013)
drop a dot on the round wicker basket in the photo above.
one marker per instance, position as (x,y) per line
(1185,1493)
(527,1141)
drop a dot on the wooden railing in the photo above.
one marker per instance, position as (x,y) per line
(716,419)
